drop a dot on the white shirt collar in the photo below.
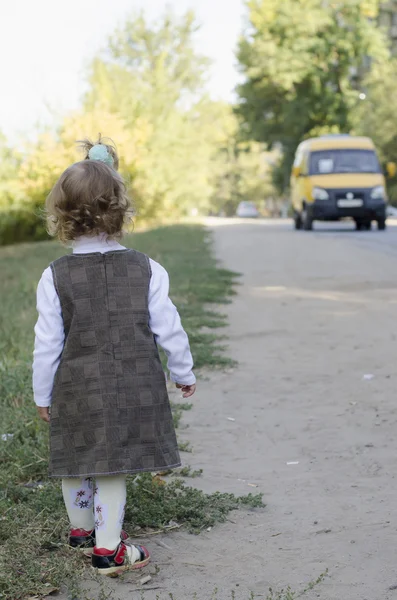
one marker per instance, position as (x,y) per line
(99,243)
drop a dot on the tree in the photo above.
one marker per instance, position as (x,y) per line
(377,115)
(241,169)
(151,77)
(10,161)
(303,62)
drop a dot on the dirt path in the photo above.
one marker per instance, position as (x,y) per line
(314,314)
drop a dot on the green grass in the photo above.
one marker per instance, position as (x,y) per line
(33,523)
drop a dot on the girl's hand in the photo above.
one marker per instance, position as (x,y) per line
(44,413)
(187,390)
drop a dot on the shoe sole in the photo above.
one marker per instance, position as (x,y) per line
(116,571)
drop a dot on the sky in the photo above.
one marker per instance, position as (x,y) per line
(46,45)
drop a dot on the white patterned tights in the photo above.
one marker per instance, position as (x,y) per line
(99,503)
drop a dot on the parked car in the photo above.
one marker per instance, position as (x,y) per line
(391,211)
(247,210)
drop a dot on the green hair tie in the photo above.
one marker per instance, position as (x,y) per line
(100,152)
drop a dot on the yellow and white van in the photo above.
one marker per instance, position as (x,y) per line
(338,176)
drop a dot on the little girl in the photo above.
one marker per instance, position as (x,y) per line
(102,311)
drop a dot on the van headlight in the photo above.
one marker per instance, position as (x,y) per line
(378,193)
(320,194)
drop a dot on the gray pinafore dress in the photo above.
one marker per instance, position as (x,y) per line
(110,412)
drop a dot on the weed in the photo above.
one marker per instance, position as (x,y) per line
(185,446)
(157,505)
(183,405)
(177,411)
(288,594)
(187,472)
(176,417)
(314,583)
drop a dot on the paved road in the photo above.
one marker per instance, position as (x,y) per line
(315,312)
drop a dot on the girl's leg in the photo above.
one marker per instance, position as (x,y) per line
(110,493)
(111,555)
(78,495)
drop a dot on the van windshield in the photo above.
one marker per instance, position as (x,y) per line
(343,161)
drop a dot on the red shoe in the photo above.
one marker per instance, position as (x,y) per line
(83,540)
(125,558)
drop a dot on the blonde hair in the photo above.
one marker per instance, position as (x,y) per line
(86,145)
(89,199)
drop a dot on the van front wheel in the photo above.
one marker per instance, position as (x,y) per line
(363,225)
(382,224)
(307,220)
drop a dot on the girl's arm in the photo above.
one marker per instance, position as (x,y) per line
(166,326)
(49,340)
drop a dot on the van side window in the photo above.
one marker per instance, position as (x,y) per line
(298,157)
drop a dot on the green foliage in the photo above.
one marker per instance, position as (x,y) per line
(19,223)
(303,62)
(289,594)
(185,446)
(9,165)
(377,116)
(242,171)
(151,78)
(159,57)
(187,471)
(158,505)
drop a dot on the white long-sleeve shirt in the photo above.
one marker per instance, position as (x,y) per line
(164,322)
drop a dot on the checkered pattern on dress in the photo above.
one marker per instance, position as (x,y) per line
(110,410)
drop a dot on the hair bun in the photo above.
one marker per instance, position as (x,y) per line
(104,150)
(100,152)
